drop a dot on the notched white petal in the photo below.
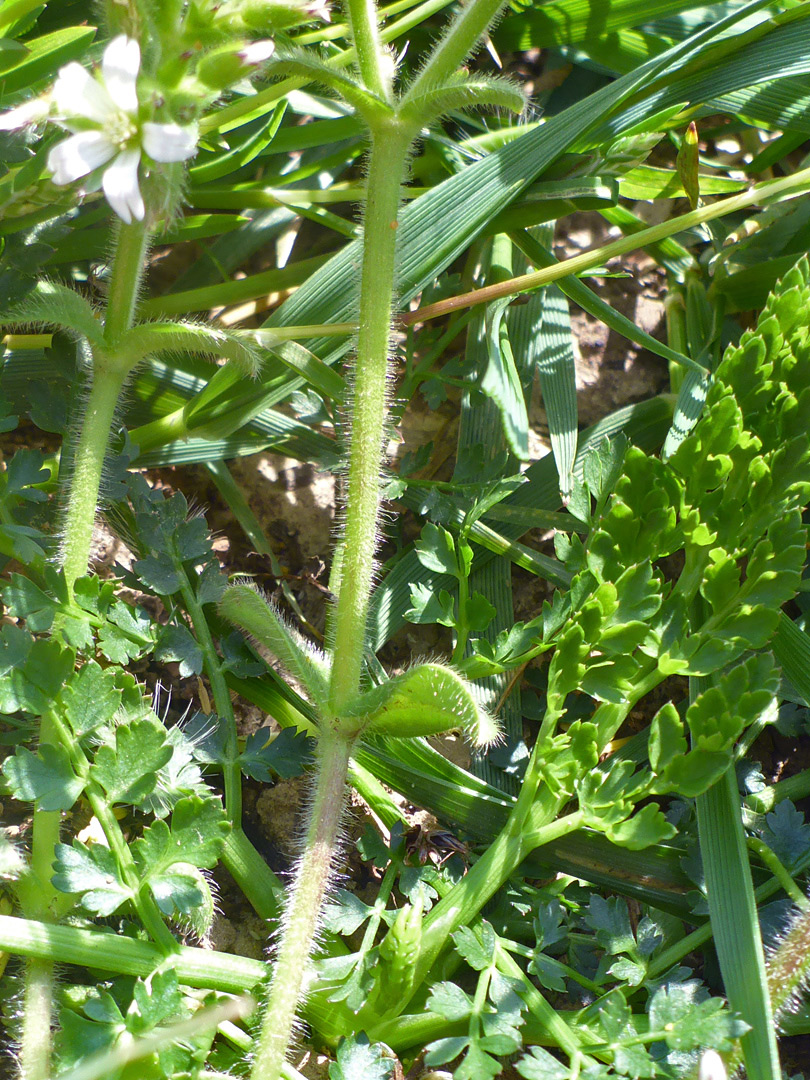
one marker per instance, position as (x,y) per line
(169,142)
(30,112)
(257,52)
(121,189)
(79,155)
(120,66)
(77,93)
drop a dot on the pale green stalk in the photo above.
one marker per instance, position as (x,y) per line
(363,20)
(35,1040)
(785,187)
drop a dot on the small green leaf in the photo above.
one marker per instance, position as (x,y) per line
(286,754)
(642,830)
(128,771)
(786,833)
(448,1000)
(46,777)
(479,955)
(689,1023)
(90,699)
(197,833)
(93,872)
(539,1064)
(177,643)
(479,612)
(159,574)
(611,921)
(346,913)
(428,607)
(356,1058)
(436,550)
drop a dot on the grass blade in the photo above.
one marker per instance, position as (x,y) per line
(733,912)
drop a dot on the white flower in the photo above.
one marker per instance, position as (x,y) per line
(30,112)
(103,114)
(711,1066)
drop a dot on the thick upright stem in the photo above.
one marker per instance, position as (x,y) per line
(304,905)
(389,149)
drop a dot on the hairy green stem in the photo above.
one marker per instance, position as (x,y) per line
(85,481)
(129,265)
(35,1040)
(108,378)
(389,148)
(461,37)
(363,20)
(304,905)
(37,897)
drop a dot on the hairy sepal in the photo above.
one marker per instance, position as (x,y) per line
(427,700)
(243,606)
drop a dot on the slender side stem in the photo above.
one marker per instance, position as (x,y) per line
(786,187)
(462,36)
(304,905)
(363,20)
(222,700)
(254,877)
(143,902)
(389,148)
(469,896)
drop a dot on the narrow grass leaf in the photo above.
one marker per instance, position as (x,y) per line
(791,646)
(688,407)
(558,382)
(735,926)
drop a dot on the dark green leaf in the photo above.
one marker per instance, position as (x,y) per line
(93,872)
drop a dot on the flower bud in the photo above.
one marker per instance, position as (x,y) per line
(267,16)
(229,63)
